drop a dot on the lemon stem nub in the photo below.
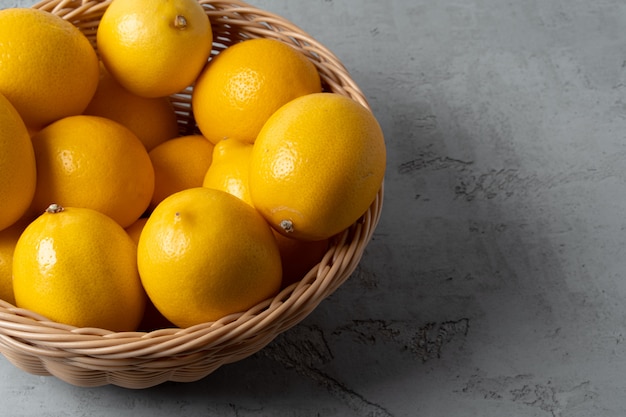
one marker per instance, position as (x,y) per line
(287,226)
(54,208)
(180,22)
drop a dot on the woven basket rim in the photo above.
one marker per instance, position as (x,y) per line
(90,356)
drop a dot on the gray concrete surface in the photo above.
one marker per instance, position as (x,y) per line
(495,283)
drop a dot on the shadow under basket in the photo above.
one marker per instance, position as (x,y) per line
(94,357)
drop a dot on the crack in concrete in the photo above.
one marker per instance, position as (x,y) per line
(305,349)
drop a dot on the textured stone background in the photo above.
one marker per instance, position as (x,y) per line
(494,284)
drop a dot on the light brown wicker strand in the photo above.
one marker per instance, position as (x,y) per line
(29,363)
(74,9)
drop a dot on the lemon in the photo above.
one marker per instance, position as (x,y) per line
(230,168)
(18,175)
(79,267)
(154,48)
(92,162)
(317,165)
(179,164)
(246,83)
(8,240)
(153,120)
(204,254)
(48,68)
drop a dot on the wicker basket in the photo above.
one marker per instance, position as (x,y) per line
(93,357)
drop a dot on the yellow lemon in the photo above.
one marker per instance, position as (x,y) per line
(8,240)
(229,170)
(246,83)
(155,48)
(93,162)
(17,165)
(48,68)
(153,120)
(204,254)
(179,164)
(317,165)
(79,267)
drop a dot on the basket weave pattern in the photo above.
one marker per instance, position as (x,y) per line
(93,357)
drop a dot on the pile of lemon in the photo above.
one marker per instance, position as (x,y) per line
(112,219)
